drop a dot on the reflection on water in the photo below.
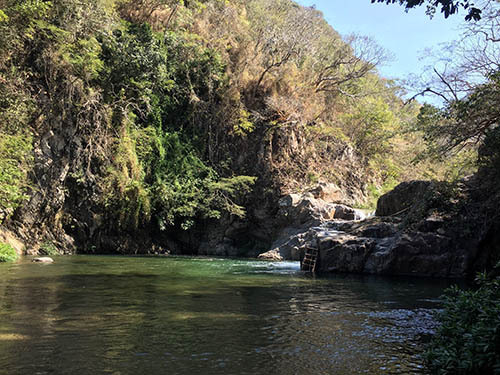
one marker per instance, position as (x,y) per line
(127,315)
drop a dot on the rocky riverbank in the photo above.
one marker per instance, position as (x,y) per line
(403,239)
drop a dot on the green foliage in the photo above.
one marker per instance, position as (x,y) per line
(7,253)
(244,125)
(48,248)
(370,126)
(3,16)
(462,123)
(181,186)
(15,158)
(468,339)
(224,191)
(375,192)
(158,111)
(186,189)
(84,56)
(157,170)
(455,133)
(157,175)
(448,7)
(127,194)
(312,177)
(16,104)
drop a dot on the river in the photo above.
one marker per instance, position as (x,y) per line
(180,315)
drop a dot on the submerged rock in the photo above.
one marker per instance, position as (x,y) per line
(43,260)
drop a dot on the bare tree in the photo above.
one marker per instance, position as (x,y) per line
(461,66)
(283,32)
(346,60)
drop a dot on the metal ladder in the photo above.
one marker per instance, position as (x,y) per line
(308,264)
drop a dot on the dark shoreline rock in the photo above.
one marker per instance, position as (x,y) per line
(402,197)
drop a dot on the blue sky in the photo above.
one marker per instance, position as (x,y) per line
(405,35)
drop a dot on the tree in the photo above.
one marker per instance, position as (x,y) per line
(283,32)
(457,69)
(448,7)
(144,10)
(463,123)
(341,61)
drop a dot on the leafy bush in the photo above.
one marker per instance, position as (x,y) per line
(15,156)
(7,253)
(468,340)
(159,169)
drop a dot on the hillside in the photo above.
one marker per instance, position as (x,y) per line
(162,126)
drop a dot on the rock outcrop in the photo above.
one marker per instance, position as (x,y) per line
(414,235)
(378,247)
(303,215)
(404,196)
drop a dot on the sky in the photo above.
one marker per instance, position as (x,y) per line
(405,35)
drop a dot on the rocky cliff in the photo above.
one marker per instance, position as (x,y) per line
(416,232)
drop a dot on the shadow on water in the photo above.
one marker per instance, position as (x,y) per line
(130,315)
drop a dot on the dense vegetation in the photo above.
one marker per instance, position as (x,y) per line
(468,339)
(120,116)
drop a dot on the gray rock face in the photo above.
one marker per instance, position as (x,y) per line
(374,246)
(341,252)
(405,195)
(436,245)
(329,193)
(379,248)
(298,210)
(303,216)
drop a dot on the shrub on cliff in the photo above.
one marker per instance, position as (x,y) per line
(14,162)
(7,253)
(468,340)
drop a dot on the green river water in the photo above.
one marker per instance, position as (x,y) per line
(176,315)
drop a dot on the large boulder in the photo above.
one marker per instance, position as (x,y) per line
(416,253)
(341,252)
(347,213)
(304,210)
(404,196)
(380,248)
(328,192)
(302,216)
(291,243)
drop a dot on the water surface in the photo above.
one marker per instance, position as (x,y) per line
(142,315)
